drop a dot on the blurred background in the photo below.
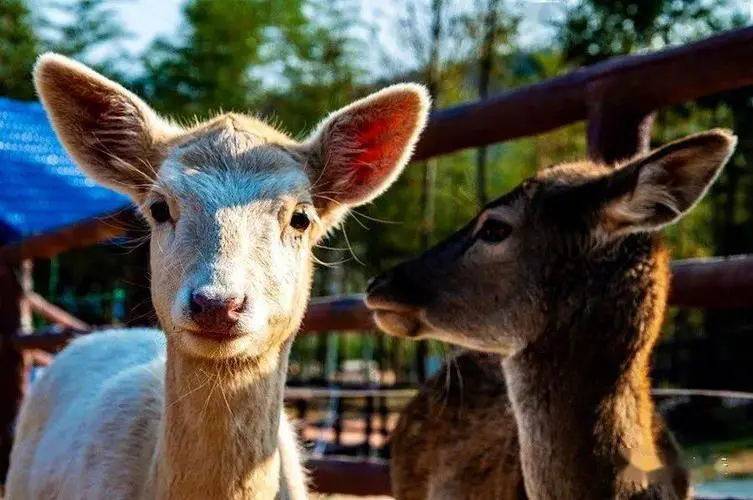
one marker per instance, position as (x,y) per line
(292,61)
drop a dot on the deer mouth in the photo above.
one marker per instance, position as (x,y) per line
(395,318)
(216,335)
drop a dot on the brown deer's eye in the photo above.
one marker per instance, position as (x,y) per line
(494,231)
(160,211)
(300,221)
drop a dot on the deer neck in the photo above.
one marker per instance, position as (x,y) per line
(219,435)
(581,392)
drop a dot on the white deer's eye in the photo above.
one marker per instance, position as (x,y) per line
(160,211)
(300,221)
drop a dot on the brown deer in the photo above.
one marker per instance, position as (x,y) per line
(565,279)
(195,411)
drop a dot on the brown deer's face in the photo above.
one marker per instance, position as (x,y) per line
(234,205)
(544,248)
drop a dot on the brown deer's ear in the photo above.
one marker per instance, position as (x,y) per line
(657,189)
(114,137)
(358,151)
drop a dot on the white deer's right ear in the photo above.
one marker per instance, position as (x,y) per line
(655,190)
(358,151)
(114,137)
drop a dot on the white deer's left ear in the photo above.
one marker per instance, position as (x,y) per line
(658,189)
(113,136)
(358,151)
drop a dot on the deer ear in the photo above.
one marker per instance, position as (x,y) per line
(655,190)
(358,151)
(114,137)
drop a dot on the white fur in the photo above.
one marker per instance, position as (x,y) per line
(90,425)
(142,414)
(89,428)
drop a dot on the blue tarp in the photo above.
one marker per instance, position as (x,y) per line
(40,187)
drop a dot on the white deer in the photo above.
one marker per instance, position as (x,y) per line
(235,207)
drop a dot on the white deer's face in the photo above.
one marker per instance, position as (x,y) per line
(234,205)
(232,231)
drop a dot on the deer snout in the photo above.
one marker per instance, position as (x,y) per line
(397,288)
(377,281)
(378,289)
(215,312)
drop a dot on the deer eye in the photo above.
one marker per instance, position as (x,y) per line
(160,211)
(300,221)
(494,231)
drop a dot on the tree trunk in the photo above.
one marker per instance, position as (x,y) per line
(485,69)
(616,133)
(430,166)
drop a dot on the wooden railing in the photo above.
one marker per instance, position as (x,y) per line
(614,96)
(617,98)
(709,283)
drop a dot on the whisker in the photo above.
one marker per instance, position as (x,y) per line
(347,241)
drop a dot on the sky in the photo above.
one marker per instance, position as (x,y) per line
(147,19)
(150,18)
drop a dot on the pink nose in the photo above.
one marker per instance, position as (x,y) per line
(216,313)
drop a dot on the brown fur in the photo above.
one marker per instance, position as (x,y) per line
(564,277)
(458,437)
(432,456)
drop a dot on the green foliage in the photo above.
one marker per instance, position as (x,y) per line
(597,29)
(18,48)
(490,31)
(81,29)
(319,65)
(210,66)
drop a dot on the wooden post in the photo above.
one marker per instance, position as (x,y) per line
(384,429)
(27,287)
(337,425)
(302,408)
(616,131)
(382,357)
(13,373)
(369,425)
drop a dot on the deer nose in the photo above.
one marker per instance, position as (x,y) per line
(216,312)
(378,281)
(403,283)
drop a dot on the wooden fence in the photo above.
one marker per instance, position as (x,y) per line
(618,98)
